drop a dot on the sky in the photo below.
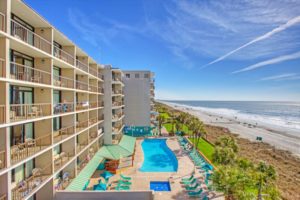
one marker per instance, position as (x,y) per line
(198,50)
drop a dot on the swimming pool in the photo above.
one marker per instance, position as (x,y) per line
(158,157)
(160,186)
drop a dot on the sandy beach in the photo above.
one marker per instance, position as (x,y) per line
(279,137)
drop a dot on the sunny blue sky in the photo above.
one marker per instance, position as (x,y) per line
(199,50)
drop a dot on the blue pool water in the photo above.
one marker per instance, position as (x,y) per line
(160,186)
(158,157)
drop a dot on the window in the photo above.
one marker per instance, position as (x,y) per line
(137,75)
(127,75)
(22,30)
(146,75)
(56,49)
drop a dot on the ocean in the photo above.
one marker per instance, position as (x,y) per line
(278,114)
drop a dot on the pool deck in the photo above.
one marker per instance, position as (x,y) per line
(141,180)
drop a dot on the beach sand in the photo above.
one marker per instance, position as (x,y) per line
(287,165)
(281,138)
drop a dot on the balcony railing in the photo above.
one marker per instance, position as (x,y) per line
(93,88)
(21,32)
(61,81)
(2,114)
(84,162)
(29,147)
(2,68)
(26,187)
(93,71)
(81,125)
(29,74)
(61,159)
(29,111)
(63,107)
(82,145)
(63,55)
(117,129)
(81,85)
(100,90)
(93,121)
(116,103)
(94,104)
(117,117)
(82,105)
(62,133)
(2,159)
(117,92)
(82,66)
(2,22)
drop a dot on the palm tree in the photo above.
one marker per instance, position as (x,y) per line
(161,120)
(227,142)
(266,175)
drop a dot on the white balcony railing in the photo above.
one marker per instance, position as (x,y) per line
(29,74)
(29,111)
(61,81)
(63,55)
(21,32)
(81,85)
(82,66)
(2,67)
(2,22)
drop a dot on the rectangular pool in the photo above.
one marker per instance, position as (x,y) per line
(160,186)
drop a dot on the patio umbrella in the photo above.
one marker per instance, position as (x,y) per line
(106,175)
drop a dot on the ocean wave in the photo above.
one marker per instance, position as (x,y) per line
(272,121)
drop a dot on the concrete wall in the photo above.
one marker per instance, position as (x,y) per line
(137,98)
(109,195)
(107,106)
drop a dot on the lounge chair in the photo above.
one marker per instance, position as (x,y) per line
(127,178)
(195,194)
(122,187)
(188,179)
(191,188)
(190,182)
(122,182)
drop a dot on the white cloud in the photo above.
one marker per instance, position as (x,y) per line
(282,77)
(267,35)
(272,61)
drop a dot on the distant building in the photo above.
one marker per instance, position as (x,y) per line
(138,98)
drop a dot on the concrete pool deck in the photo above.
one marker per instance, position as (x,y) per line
(141,180)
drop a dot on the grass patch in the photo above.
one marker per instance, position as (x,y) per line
(165,115)
(206,148)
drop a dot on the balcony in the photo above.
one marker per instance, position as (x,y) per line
(28,148)
(81,125)
(2,159)
(2,68)
(117,92)
(117,117)
(84,162)
(63,55)
(117,129)
(117,104)
(82,105)
(29,74)
(81,85)
(2,114)
(94,104)
(61,159)
(22,33)
(63,107)
(82,66)
(93,121)
(100,90)
(61,183)
(82,145)
(61,81)
(2,22)
(93,72)
(29,111)
(63,133)
(27,186)
(93,88)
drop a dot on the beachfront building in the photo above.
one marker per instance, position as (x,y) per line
(139,101)
(113,104)
(51,105)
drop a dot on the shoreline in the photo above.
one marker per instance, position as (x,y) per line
(279,138)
